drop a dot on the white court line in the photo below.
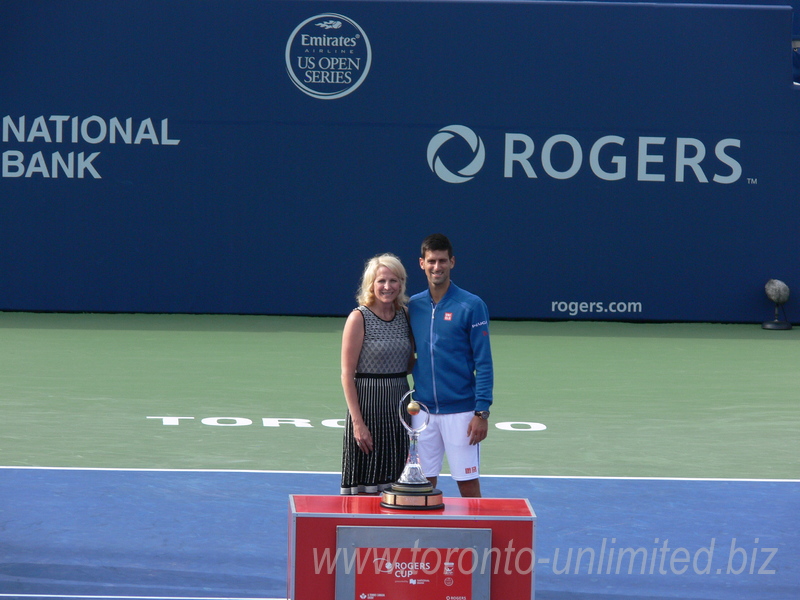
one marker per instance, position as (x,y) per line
(123,469)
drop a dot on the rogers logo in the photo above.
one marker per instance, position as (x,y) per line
(657,159)
(444,135)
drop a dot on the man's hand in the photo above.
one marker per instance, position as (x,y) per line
(477,430)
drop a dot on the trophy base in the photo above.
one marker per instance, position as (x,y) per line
(412,496)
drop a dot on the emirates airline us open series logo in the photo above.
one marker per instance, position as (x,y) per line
(328,56)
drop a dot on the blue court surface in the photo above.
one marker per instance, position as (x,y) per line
(102,533)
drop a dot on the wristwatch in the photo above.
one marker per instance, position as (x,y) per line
(483,414)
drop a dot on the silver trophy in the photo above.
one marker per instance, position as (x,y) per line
(413,490)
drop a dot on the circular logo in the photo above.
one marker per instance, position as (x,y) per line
(328,56)
(383,566)
(444,135)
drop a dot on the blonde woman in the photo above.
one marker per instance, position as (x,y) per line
(377,355)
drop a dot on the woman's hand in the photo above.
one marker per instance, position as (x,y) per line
(363,437)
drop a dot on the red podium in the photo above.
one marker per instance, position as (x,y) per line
(351,548)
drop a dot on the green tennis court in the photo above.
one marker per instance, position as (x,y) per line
(263,392)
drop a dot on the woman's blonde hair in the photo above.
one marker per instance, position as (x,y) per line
(366,294)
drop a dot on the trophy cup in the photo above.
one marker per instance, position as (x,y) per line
(412,491)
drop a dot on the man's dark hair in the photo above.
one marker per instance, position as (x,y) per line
(434,242)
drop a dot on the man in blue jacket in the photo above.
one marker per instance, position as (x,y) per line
(453,374)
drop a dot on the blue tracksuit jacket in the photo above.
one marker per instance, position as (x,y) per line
(453,372)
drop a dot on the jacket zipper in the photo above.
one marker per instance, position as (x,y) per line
(433,362)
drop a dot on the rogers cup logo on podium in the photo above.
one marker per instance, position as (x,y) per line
(328,56)
(407,577)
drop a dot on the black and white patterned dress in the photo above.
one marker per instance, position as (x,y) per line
(381,381)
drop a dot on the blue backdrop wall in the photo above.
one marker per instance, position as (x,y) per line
(588,160)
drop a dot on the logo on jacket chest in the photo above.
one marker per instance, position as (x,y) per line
(448,316)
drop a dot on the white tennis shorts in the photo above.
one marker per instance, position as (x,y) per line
(447,434)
